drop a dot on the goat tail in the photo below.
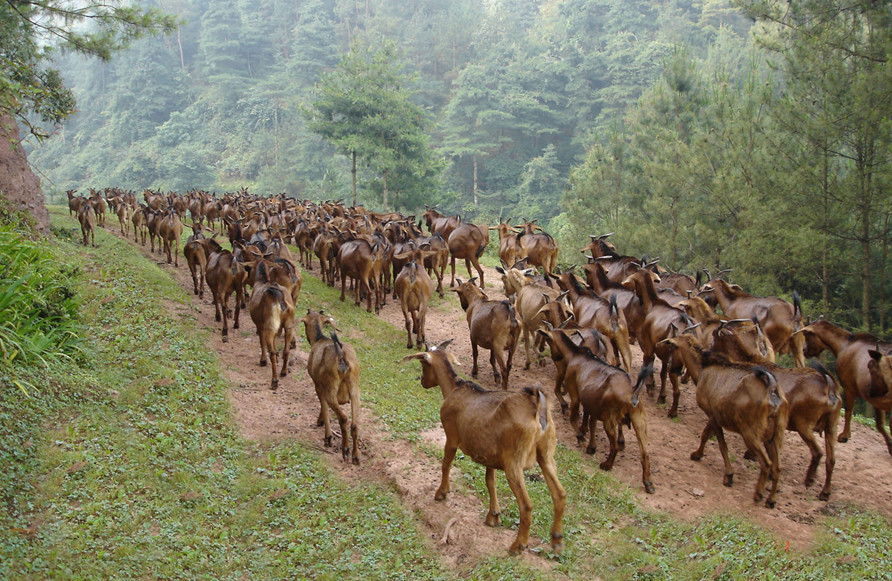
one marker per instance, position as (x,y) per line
(277,293)
(542,411)
(643,375)
(339,352)
(832,395)
(614,313)
(480,250)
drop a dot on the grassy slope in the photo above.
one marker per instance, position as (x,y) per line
(132,467)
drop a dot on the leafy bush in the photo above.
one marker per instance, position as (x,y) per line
(38,313)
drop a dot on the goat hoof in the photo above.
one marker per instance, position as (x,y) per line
(263,363)
(440,495)
(605,466)
(750,455)
(526,366)
(842,439)
(493,519)
(590,450)
(225,339)
(696,456)
(274,386)
(283,373)
(356,461)
(661,399)
(770,503)
(728,481)
(649,487)
(673,414)
(328,441)
(824,495)
(517,549)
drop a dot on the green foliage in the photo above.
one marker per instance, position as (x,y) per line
(28,30)
(38,311)
(365,111)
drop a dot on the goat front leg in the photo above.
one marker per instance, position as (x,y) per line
(448,457)
(474,353)
(494,517)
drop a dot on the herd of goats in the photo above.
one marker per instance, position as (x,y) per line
(709,331)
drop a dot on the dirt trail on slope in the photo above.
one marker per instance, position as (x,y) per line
(685,489)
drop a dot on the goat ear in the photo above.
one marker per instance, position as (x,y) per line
(422,355)
(874,355)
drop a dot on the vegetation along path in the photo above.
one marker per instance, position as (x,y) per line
(268,508)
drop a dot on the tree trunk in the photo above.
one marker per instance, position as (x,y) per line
(384,179)
(18,184)
(353,173)
(475,182)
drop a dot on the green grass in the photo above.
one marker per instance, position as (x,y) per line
(127,464)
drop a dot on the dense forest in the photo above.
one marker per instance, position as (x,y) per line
(750,135)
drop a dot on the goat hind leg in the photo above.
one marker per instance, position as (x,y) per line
(514,473)
(494,516)
(880,416)
(545,459)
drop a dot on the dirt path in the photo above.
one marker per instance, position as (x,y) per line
(685,489)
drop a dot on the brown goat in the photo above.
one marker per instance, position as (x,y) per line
(853,363)
(196,259)
(812,395)
(539,248)
(414,287)
(742,398)
(467,241)
(591,310)
(334,369)
(272,311)
(779,319)
(170,229)
(140,230)
(529,300)
(493,325)
(357,259)
(661,321)
(437,223)
(591,339)
(87,218)
(509,249)
(74,202)
(502,430)
(224,276)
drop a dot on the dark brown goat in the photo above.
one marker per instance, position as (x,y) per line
(509,249)
(224,276)
(467,242)
(853,361)
(437,223)
(591,339)
(357,259)
(272,311)
(334,369)
(741,398)
(493,325)
(502,430)
(661,321)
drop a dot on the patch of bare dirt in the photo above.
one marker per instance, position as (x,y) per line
(684,488)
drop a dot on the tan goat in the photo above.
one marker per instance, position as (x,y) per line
(414,288)
(334,369)
(502,430)
(272,311)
